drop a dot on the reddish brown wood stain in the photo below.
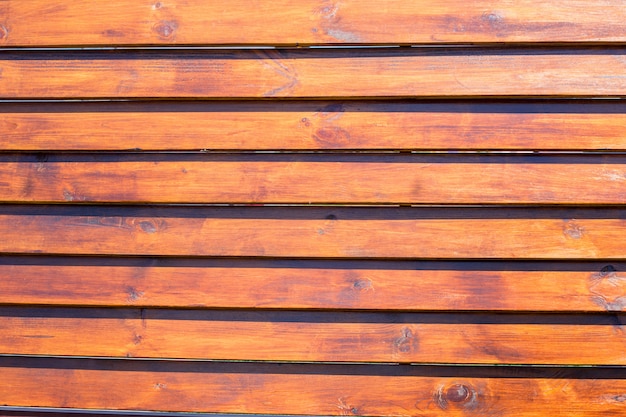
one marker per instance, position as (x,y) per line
(139,270)
(304,125)
(341,73)
(290,180)
(297,22)
(325,394)
(274,286)
(348,238)
(266,337)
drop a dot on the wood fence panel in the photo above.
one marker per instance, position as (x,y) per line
(312,208)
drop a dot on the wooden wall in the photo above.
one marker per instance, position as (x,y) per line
(361,208)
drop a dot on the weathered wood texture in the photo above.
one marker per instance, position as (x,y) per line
(330,390)
(314,125)
(322,284)
(377,72)
(298,22)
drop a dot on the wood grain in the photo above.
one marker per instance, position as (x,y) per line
(305,337)
(324,73)
(50,412)
(325,233)
(316,287)
(147,387)
(306,179)
(582,125)
(306,125)
(373,311)
(297,22)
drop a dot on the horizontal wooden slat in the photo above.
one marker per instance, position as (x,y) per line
(69,412)
(303,125)
(318,285)
(146,22)
(386,72)
(308,179)
(206,387)
(307,336)
(327,233)
(312,125)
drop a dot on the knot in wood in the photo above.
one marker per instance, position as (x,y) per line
(573,230)
(458,393)
(165,29)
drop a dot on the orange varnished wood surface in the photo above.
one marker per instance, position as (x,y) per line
(298,22)
(429,224)
(338,337)
(381,179)
(327,73)
(304,125)
(334,391)
(341,233)
(317,285)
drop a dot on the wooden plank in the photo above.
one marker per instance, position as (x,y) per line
(385,286)
(197,387)
(69,412)
(293,22)
(326,233)
(307,336)
(377,72)
(308,125)
(306,179)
